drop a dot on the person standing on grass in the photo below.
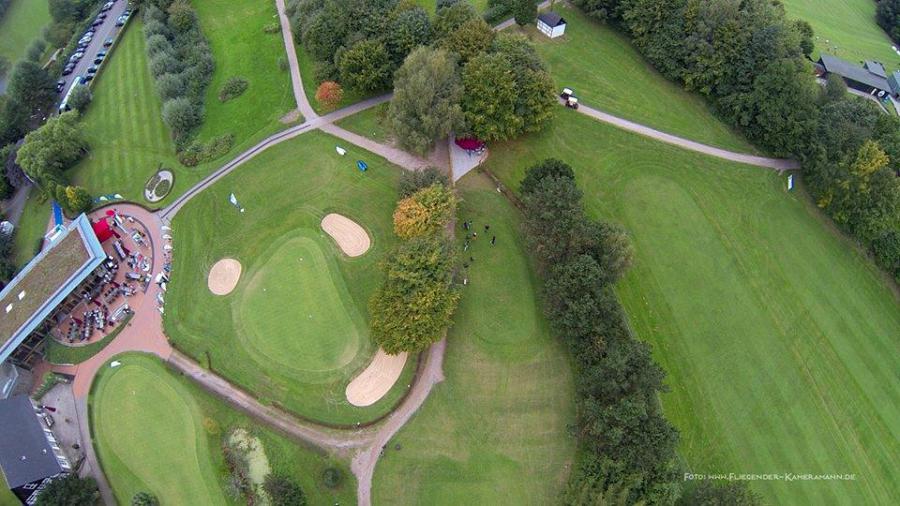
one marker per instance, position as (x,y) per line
(493,240)
(474,235)
(486,228)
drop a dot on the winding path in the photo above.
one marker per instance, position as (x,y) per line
(145,332)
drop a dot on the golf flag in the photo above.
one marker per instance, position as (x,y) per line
(234,202)
(790,182)
(341,151)
(362,165)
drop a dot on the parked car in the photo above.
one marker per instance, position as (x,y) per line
(108,42)
(87,78)
(77,56)
(85,41)
(107,6)
(102,53)
(121,21)
(98,60)
(60,85)
(68,69)
(93,69)
(97,22)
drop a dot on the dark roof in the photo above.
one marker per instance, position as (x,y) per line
(552,18)
(25,453)
(875,68)
(852,72)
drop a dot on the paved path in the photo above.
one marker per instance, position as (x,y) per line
(778,164)
(299,94)
(13,206)
(363,464)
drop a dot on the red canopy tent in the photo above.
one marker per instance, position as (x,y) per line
(102,230)
(469,143)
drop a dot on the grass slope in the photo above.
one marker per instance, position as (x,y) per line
(31,227)
(849,27)
(155,431)
(495,432)
(286,189)
(21,24)
(778,337)
(607,73)
(372,123)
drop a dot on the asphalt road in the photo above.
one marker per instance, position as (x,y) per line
(101,33)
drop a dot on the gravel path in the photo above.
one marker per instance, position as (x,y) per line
(299,94)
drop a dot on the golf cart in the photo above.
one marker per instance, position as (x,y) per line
(568,98)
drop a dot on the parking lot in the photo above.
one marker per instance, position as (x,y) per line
(103,32)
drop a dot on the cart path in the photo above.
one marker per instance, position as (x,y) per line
(778,164)
(303,104)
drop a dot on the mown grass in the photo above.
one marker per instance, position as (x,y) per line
(778,336)
(846,29)
(21,24)
(158,432)
(286,190)
(31,227)
(603,69)
(496,430)
(372,123)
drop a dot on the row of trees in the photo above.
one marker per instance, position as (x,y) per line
(752,63)
(625,440)
(414,306)
(888,16)
(181,63)
(472,80)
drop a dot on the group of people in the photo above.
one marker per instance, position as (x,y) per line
(471,236)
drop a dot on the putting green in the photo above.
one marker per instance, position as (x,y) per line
(149,436)
(295,311)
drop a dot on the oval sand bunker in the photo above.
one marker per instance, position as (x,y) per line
(224,276)
(350,237)
(376,380)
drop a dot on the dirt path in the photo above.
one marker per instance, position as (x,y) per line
(778,164)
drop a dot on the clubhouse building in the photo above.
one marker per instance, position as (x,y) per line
(869,78)
(67,272)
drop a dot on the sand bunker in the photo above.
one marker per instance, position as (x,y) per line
(224,276)
(371,384)
(351,238)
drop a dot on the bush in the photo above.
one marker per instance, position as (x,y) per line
(332,477)
(36,50)
(199,152)
(233,88)
(329,94)
(425,212)
(68,491)
(144,499)
(80,98)
(283,491)
(887,252)
(157,44)
(273,27)
(163,63)
(162,189)
(170,86)
(412,181)
(181,116)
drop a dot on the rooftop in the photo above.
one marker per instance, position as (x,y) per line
(853,72)
(25,453)
(551,18)
(46,281)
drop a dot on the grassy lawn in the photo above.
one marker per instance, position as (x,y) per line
(155,431)
(21,24)
(372,123)
(778,337)
(32,226)
(495,432)
(261,340)
(57,353)
(849,28)
(607,73)
(241,48)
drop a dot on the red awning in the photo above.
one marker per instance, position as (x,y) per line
(102,230)
(470,144)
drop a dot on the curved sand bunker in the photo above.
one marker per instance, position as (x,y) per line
(224,276)
(350,237)
(375,381)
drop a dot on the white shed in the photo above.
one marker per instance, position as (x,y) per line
(551,24)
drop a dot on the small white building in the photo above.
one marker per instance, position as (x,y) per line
(551,24)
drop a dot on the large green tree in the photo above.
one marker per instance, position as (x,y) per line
(70,491)
(51,149)
(366,66)
(415,305)
(425,106)
(489,99)
(469,39)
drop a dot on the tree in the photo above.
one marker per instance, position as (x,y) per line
(36,50)
(78,200)
(489,98)
(610,246)
(144,499)
(170,86)
(283,491)
(415,305)
(806,37)
(366,66)
(470,39)
(329,94)
(31,86)
(550,167)
(69,491)
(887,252)
(425,212)
(554,218)
(525,12)
(411,28)
(835,88)
(80,98)
(451,17)
(181,116)
(53,148)
(412,181)
(182,16)
(425,106)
